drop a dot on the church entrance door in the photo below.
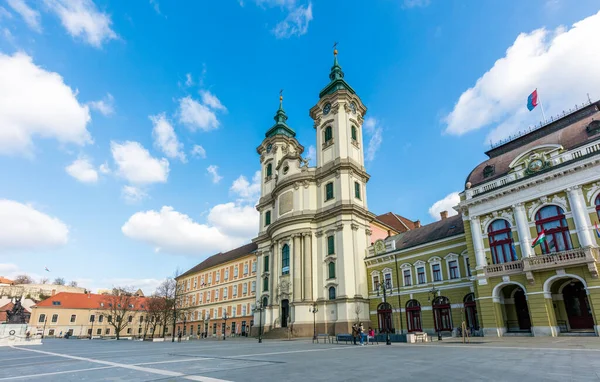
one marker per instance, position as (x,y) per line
(285,312)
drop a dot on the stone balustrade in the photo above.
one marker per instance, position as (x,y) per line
(504,269)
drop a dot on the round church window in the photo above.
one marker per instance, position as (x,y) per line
(285,170)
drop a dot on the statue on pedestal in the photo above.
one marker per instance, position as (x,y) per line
(17,314)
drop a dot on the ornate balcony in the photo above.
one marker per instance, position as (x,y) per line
(580,256)
(504,269)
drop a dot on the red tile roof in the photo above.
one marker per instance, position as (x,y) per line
(84,301)
(4,280)
(395,221)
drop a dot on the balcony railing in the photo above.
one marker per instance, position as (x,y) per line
(504,268)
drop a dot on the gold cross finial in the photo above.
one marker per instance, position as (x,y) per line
(280,95)
(335,48)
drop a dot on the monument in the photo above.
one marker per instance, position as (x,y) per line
(15,331)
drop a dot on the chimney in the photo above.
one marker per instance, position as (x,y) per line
(418,224)
(444,214)
(53,292)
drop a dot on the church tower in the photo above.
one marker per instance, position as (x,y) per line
(314,222)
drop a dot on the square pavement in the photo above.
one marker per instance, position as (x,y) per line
(515,359)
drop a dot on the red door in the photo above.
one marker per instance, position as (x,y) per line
(578,307)
(441,315)
(413,316)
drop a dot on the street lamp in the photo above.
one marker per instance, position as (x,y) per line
(436,317)
(384,286)
(225,326)
(259,308)
(314,309)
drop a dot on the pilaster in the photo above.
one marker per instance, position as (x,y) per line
(580,216)
(523,229)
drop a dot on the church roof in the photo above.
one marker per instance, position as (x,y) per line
(569,131)
(337,79)
(221,258)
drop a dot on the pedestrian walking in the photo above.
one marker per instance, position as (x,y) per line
(179,337)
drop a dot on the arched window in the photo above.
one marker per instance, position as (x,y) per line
(441,314)
(332,293)
(598,206)
(265,284)
(285,259)
(269,170)
(413,316)
(328,134)
(551,220)
(384,315)
(471,312)
(331,269)
(265,301)
(354,134)
(501,242)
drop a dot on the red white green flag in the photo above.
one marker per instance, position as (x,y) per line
(541,237)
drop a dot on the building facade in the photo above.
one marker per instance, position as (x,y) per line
(87,314)
(218,294)
(314,221)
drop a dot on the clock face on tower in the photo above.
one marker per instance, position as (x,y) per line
(327,109)
(269,147)
(353,107)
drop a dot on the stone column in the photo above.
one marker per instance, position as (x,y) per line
(477,242)
(580,216)
(297,277)
(308,295)
(523,229)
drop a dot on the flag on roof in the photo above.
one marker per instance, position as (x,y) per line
(532,100)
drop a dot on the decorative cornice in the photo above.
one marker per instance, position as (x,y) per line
(354,226)
(319,233)
(339,227)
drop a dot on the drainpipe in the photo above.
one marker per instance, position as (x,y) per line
(399,303)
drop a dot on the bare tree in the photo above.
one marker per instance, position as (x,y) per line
(119,307)
(358,311)
(23,279)
(155,309)
(59,281)
(167,292)
(73,284)
(44,280)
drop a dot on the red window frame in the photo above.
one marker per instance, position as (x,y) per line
(597,202)
(407,277)
(453,269)
(498,246)
(413,316)
(562,231)
(442,316)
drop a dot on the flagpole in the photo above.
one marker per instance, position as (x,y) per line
(541,106)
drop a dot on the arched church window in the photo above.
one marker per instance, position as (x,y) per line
(267,218)
(354,134)
(331,270)
(598,206)
(269,170)
(285,259)
(501,242)
(332,293)
(265,301)
(551,220)
(266,284)
(328,134)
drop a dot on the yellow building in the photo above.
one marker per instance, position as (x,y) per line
(218,294)
(88,314)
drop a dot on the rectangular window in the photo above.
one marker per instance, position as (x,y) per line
(92,318)
(254,266)
(226,274)
(99,332)
(107,331)
(235,289)
(201,299)
(202,281)
(375,282)
(388,280)
(407,278)
(209,279)
(437,273)
(243,310)
(217,294)
(233,311)
(235,271)
(266,284)
(101,318)
(195,282)
(330,245)
(130,319)
(42,318)
(267,218)
(128,330)
(357,190)
(218,276)
(73,317)
(253,286)
(225,292)
(246,269)
(245,288)
(266,265)
(51,332)
(453,269)
(55,302)
(468,266)
(328,134)
(421,275)
(329,191)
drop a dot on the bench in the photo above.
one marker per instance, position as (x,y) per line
(344,337)
(372,339)
(326,338)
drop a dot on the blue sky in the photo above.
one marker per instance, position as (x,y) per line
(128,130)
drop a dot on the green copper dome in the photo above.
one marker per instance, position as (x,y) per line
(337,80)
(280,127)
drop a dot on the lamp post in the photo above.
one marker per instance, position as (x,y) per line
(314,309)
(384,286)
(436,317)
(92,319)
(225,326)
(259,308)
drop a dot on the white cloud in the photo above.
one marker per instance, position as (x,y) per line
(246,191)
(135,164)
(416,3)
(295,23)
(22,227)
(165,138)
(198,152)
(82,170)
(375,131)
(211,100)
(104,106)
(188,80)
(4,14)
(133,194)
(213,171)
(196,116)
(29,15)
(560,64)
(311,155)
(156,6)
(26,87)
(173,232)
(104,168)
(82,20)
(445,204)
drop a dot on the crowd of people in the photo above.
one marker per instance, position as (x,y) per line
(358,332)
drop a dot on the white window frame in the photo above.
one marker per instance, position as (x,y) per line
(235,289)
(388,271)
(245,288)
(245,268)
(407,267)
(373,275)
(187,284)
(214,313)
(226,274)
(236,271)
(254,266)
(202,280)
(195,282)
(233,311)
(209,279)
(243,310)
(452,257)
(420,264)
(201,299)
(225,292)
(218,276)
(253,287)
(193,300)
(216,294)
(436,260)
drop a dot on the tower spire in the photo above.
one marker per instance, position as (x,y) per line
(280,127)
(336,76)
